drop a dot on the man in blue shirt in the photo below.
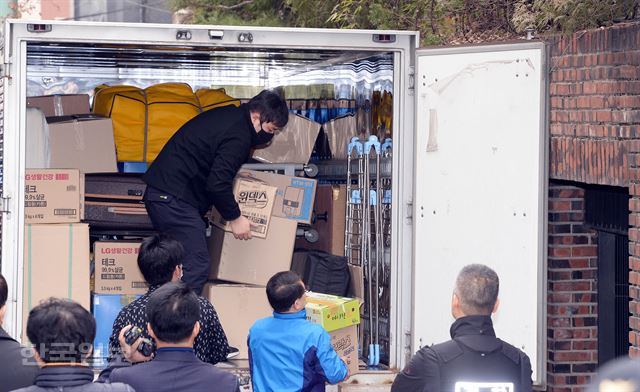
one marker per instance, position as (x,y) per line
(287,352)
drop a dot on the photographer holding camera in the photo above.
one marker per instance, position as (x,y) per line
(159,261)
(173,312)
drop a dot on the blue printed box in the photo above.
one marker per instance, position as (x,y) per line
(295,195)
(105,310)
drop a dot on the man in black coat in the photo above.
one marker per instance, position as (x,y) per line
(173,313)
(18,369)
(62,333)
(196,168)
(474,356)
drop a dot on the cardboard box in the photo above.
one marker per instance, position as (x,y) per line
(105,310)
(294,197)
(253,261)
(60,104)
(56,264)
(84,142)
(330,202)
(293,144)
(345,343)
(238,307)
(255,200)
(53,196)
(116,268)
(331,311)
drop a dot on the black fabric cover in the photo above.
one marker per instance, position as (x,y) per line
(322,272)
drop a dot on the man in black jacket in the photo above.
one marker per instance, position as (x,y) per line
(18,369)
(196,168)
(62,332)
(474,356)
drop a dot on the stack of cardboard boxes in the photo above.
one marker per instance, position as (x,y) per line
(56,244)
(240,270)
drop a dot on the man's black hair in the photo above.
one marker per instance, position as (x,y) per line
(172,311)
(158,257)
(283,289)
(271,106)
(4,291)
(61,330)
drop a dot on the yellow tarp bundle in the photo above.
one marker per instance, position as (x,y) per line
(145,119)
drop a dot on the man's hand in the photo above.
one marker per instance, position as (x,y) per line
(131,353)
(241,228)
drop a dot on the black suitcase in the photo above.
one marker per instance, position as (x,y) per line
(114,201)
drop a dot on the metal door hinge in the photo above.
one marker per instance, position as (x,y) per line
(412,79)
(4,204)
(5,71)
(409,213)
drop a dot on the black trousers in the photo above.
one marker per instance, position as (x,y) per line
(182,222)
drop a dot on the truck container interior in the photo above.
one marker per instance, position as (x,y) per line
(318,84)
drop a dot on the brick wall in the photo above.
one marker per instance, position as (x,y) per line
(594,104)
(594,139)
(572,302)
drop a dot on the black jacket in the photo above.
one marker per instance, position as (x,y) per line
(200,161)
(174,370)
(70,378)
(17,370)
(474,355)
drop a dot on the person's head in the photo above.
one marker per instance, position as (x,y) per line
(4,293)
(476,292)
(61,331)
(618,375)
(173,312)
(268,112)
(286,292)
(160,260)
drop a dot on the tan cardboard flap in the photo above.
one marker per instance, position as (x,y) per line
(339,133)
(60,104)
(238,307)
(293,144)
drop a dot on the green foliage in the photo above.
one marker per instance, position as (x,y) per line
(439,21)
(567,16)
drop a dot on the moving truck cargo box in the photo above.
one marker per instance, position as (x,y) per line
(83,142)
(345,343)
(116,268)
(60,104)
(53,196)
(331,311)
(253,261)
(56,264)
(295,195)
(255,200)
(238,307)
(105,310)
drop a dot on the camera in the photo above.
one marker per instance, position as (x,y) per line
(146,346)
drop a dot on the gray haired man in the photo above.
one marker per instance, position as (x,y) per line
(474,359)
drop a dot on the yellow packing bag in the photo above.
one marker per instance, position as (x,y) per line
(145,119)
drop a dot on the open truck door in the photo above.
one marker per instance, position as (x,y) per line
(481,186)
